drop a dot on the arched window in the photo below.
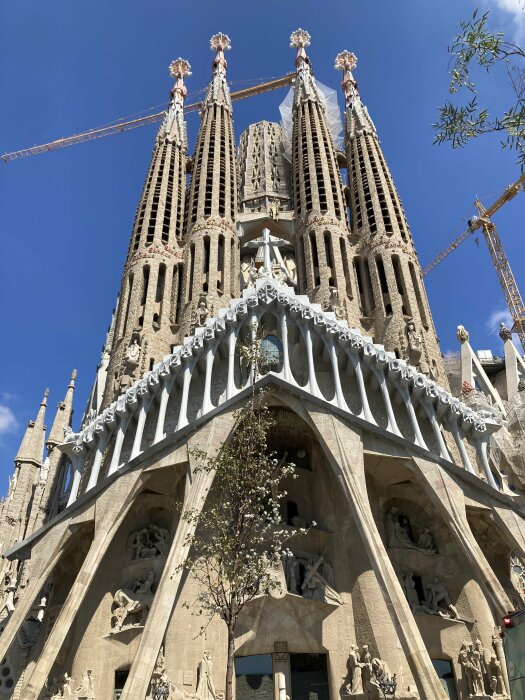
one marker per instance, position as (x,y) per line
(272,354)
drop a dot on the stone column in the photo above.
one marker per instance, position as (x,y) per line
(282,677)
(211,436)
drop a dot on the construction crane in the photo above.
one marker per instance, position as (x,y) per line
(92,134)
(497,253)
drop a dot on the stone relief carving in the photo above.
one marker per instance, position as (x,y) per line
(150,542)
(335,305)
(133,603)
(414,342)
(439,599)
(409,587)
(398,531)
(161,684)
(9,595)
(311,578)
(365,671)
(130,362)
(63,687)
(200,313)
(517,577)
(481,676)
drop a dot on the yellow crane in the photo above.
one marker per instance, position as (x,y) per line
(257,89)
(497,254)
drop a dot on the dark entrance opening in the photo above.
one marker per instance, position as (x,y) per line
(444,670)
(120,681)
(309,677)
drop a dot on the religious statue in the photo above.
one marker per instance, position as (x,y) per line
(274,209)
(426,541)
(200,314)
(398,535)
(205,686)
(473,663)
(316,587)
(355,669)
(366,672)
(437,593)
(497,684)
(415,346)
(133,353)
(151,541)
(409,587)
(86,690)
(128,602)
(8,601)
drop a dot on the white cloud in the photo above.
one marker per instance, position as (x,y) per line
(8,422)
(515,10)
(497,317)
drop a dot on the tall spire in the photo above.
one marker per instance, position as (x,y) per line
(356,114)
(322,246)
(32,446)
(392,299)
(63,415)
(211,268)
(149,295)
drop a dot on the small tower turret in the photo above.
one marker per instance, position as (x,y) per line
(28,462)
(392,298)
(46,490)
(149,297)
(323,251)
(211,269)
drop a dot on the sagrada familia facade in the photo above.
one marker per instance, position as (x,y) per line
(411,465)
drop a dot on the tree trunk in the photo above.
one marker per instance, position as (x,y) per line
(230,665)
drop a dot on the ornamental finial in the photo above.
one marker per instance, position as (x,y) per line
(220,43)
(347,61)
(180,68)
(462,334)
(505,333)
(300,39)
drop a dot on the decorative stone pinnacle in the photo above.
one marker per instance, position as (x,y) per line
(300,39)
(504,332)
(345,61)
(462,334)
(73,375)
(180,68)
(46,394)
(220,42)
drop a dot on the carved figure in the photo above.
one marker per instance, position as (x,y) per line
(133,353)
(409,587)
(152,541)
(355,668)
(8,602)
(205,687)
(274,209)
(415,345)
(131,601)
(397,536)
(464,660)
(426,541)
(497,684)
(86,690)
(437,593)
(316,587)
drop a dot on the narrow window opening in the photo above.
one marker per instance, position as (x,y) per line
(145,283)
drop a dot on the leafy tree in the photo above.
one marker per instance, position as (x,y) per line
(478,47)
(238,535)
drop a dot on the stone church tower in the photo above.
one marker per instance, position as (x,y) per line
(409,464)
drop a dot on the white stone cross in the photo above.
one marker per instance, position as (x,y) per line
(267,243)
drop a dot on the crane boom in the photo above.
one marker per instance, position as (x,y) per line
(510,192)
(142,121)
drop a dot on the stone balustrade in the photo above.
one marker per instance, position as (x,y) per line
(319,354)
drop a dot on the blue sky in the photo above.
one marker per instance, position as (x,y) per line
(67,215)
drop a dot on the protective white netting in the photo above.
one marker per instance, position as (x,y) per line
(332,111)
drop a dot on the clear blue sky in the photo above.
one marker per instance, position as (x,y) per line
(67,216)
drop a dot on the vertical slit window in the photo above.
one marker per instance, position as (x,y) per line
(398,273)
(178,303)
(315,259)
(220,263)
(145,284)
(418,293)
(191,272)
(346,268)
(128,303)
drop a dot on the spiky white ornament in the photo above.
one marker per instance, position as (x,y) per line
(220,42)
(346,60)
(300,38)
(180,68)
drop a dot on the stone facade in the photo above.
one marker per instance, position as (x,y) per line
(416,492)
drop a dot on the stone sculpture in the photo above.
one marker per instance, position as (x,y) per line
(426,541)
(504,332)
(366,672)
(409,587)
(86,690)
(129,602)
(462,334)
(312,578)
(150,542)
(415,344)
(437,594)
(472,663)
(497,684)
(205,686)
